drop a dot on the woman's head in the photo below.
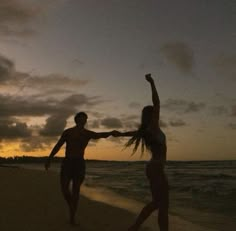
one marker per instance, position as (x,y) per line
(140,136)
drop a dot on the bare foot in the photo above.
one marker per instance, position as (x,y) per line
(73,222)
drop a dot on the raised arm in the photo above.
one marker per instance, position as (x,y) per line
(54,151)
(155,96)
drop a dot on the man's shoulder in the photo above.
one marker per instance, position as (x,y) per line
(68,130)
(88,131)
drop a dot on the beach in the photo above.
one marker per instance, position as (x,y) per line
(31,200)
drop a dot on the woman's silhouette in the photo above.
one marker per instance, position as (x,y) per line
(151,136)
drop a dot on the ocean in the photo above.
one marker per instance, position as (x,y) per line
(201,192)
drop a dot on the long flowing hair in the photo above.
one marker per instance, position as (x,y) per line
(141,134)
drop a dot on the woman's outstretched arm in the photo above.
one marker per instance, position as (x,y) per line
(118,134)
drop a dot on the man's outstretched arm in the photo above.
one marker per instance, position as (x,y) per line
(98,135)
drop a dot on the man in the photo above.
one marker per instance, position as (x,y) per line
(73,165)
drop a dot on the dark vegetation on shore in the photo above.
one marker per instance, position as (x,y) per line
(26,159)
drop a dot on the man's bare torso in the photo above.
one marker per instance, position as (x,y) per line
(76,141)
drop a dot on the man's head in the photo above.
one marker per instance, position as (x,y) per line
(81,119)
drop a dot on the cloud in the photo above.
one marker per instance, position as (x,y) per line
(130,122)
(39,82)
(20,82)
(219,110)
(134,105)
(6,69)
(58,111)
(183,106)
(233,110)
(225,64)
(38,143)
(54,126)
(78,100)
(111,122)
(95,124)
(32,100)
(179,54)
(16,17)
(177,123)
(163,124)
(232,126)
(20,106)
(14,130)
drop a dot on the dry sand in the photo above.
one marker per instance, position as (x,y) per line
(30,200)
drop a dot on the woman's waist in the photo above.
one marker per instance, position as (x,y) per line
(155,168)
(158,162)
(157,165)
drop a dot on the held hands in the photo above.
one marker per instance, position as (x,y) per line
(149,78)
(115,133)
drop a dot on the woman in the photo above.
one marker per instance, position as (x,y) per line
(153,139)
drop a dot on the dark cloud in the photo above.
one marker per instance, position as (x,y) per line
(6,68)
(16,17)
(38,143)
(20,106)
(14,130)
(183,106)
(177,123)
(233,110)
(78,100)
(219,110)
(48,84)
(49,81)
(59,112)
(58,108)
(110,122)
(54,126)
(130,122)
(179,54)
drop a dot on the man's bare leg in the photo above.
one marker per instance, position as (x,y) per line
(144,214)
(75,199)
(65,189)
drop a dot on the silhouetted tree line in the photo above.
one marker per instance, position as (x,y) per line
(26,159)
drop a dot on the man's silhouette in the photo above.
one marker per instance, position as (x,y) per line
(73,165)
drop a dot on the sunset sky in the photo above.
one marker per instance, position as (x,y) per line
(59,57)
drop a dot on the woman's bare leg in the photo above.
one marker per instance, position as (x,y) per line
(144,214)
(163,219)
